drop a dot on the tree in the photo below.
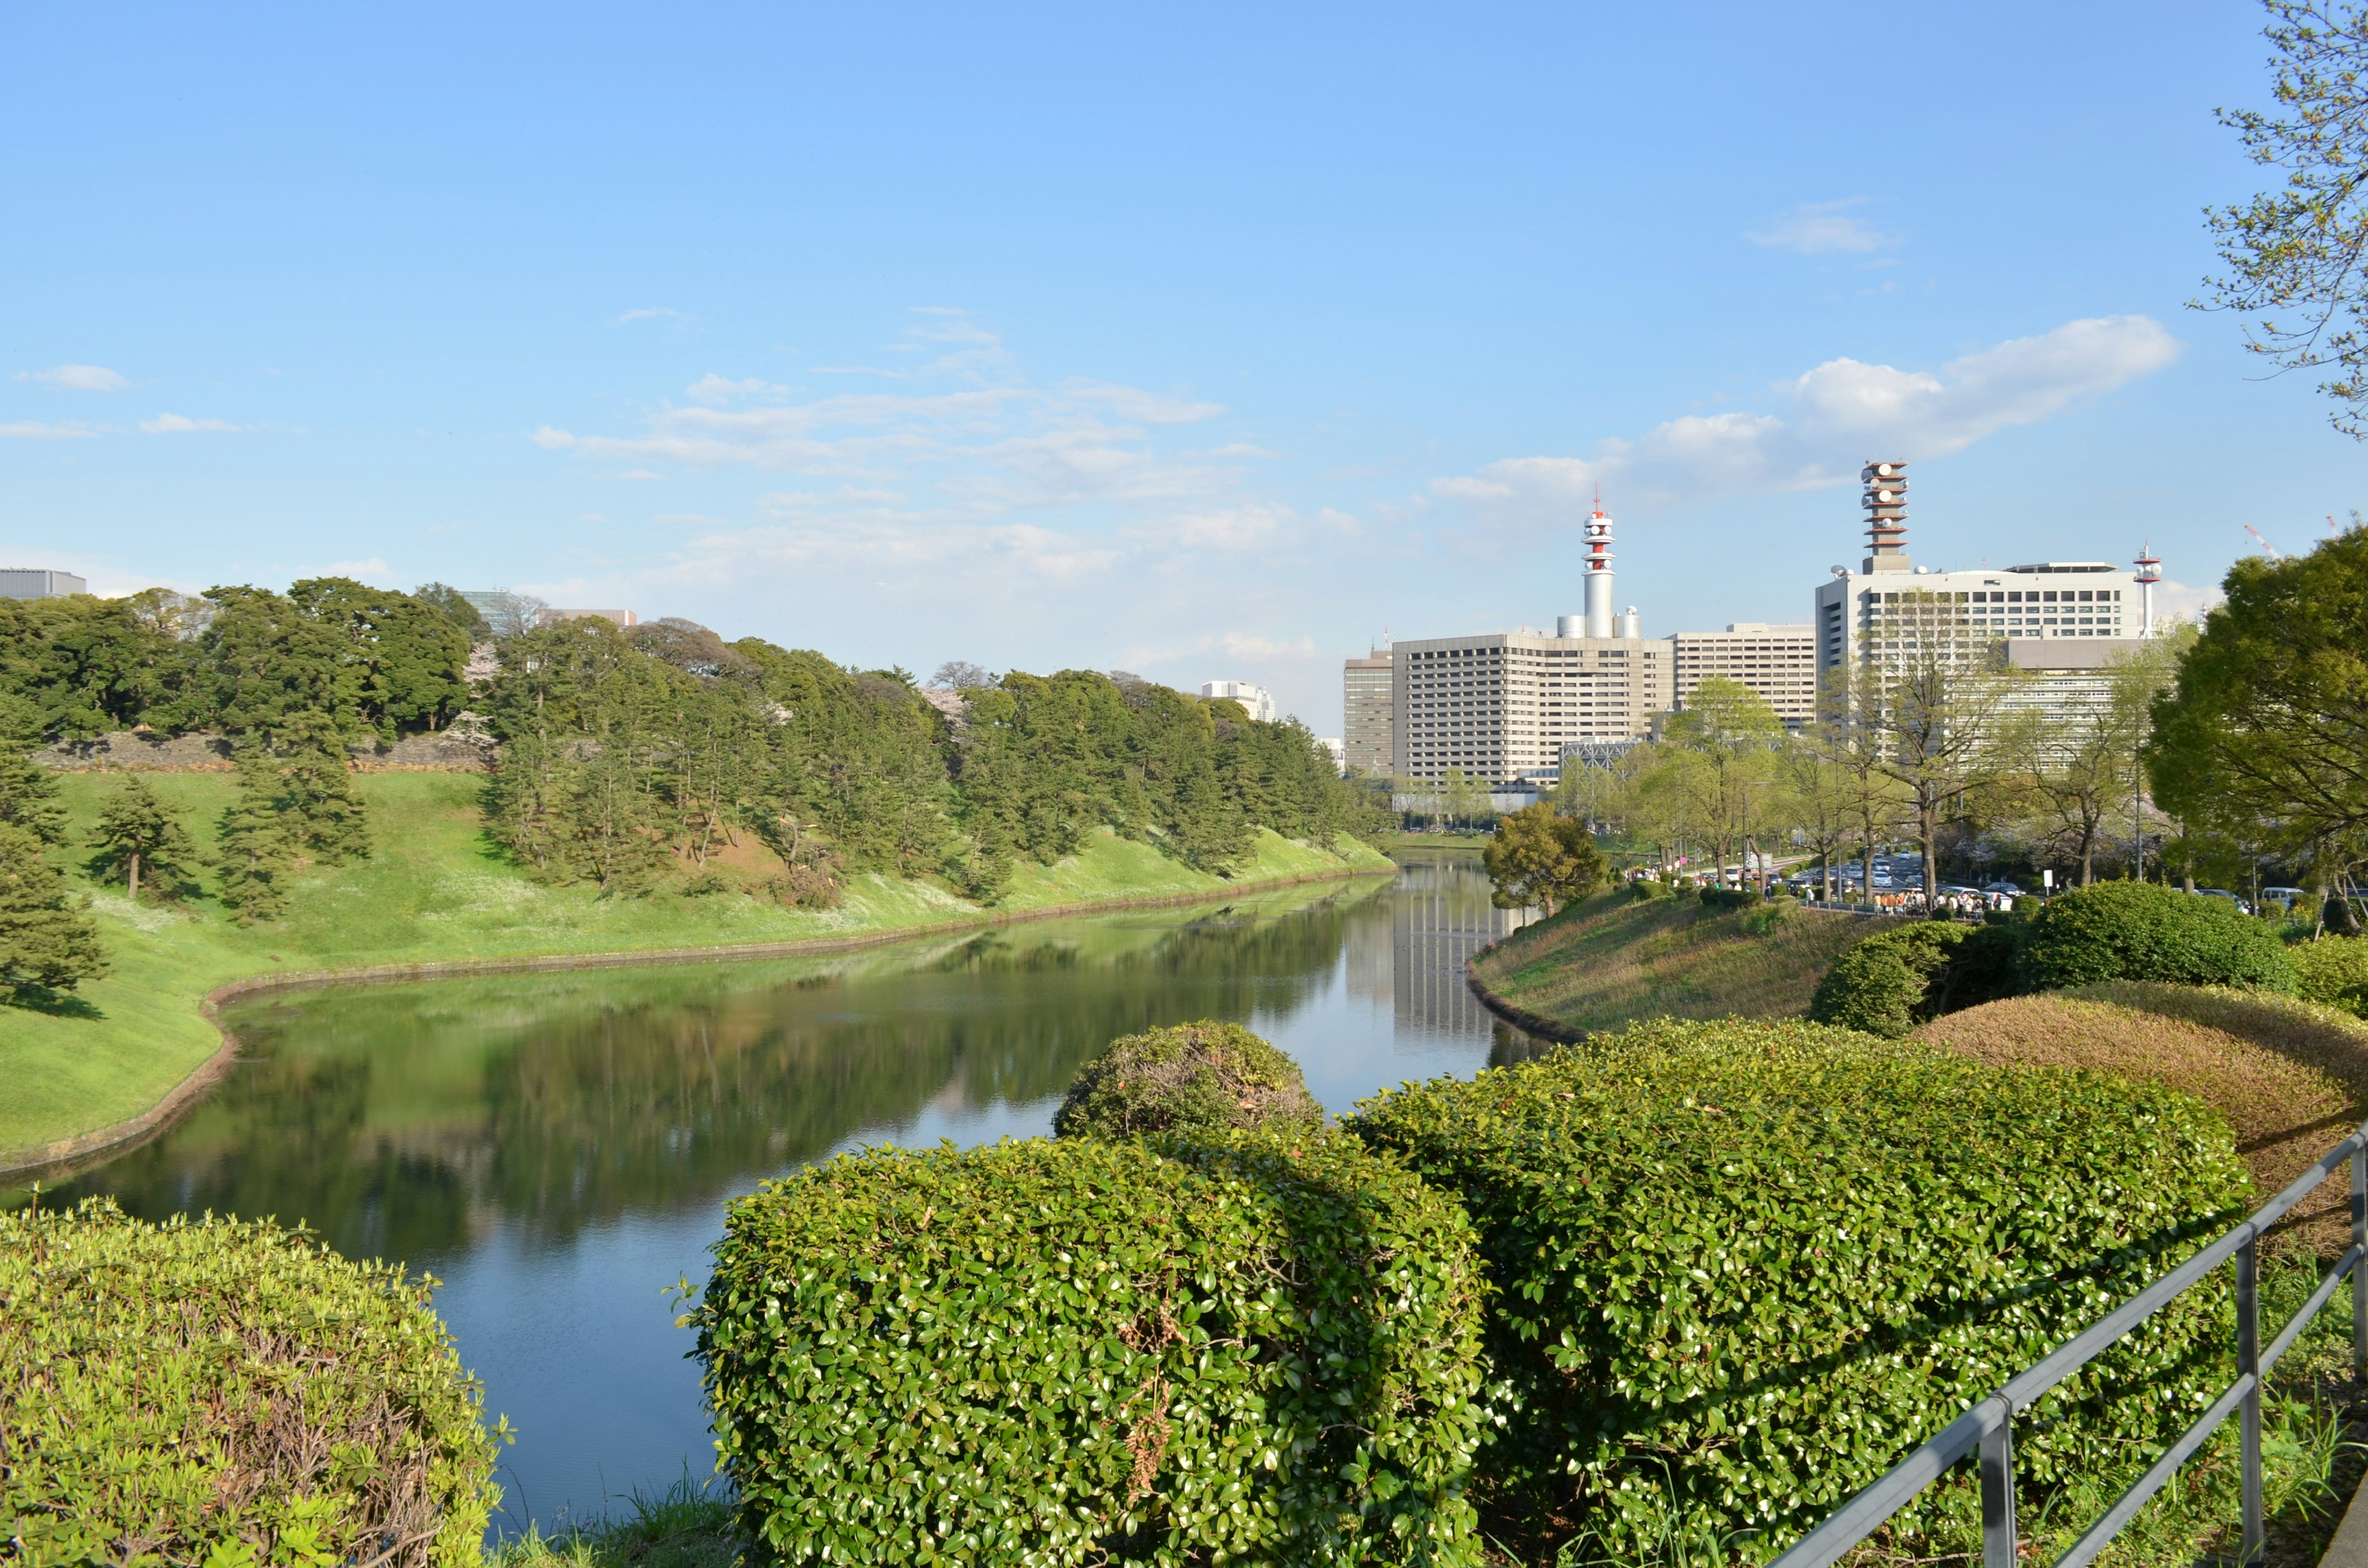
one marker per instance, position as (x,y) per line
(45,944)
(961,675)
(447,600)
(255,849)
(28,796)
(1937,717)
(1820,792)
(2296,254)
(136,835)
(1732,732)
(1538,859)
(404,656)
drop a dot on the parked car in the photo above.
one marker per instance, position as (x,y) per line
(2282,895)
(2242,907)
(2009,888)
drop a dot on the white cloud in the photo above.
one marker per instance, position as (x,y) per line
(1250,648)
(1816,228)
(77,378)
(179,425)
(715,390)
(650,312)
(1249,525)
(1833,418)
(2177,601)
(33,430)
(373,570)
(1134,402)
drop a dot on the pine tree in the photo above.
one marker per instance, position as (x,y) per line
(137,836)
(256,847)
(45,944)
(324,816)
(28,796)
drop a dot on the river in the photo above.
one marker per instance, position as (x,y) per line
(557,1148)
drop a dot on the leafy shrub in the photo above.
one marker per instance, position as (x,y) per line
(1741,1268)
(1884,985)
(230,1394)
(1099,1350)
(1202,1077)
(1769,915)
(2334,971)
(1729,898)
(2146,931)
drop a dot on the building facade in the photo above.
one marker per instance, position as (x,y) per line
(1256,700)
(1503,706)
(1779,663)
(1367,706)
(37,583)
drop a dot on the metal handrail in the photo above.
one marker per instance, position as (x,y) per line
(1989,1425)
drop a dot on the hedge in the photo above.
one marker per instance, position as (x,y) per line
(1899,978)
(1742,1268)
(1207,1077)
(1097,1350)
(228,1393)
(2146,931)
(2332,970)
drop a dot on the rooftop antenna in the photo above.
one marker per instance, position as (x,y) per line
(2149,573)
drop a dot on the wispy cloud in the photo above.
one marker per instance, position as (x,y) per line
(715,391)
(181,425)
(34,430)
(650,312)
(1818,228)
(1148,407)
(1831,419)
(77,378)
(1250,648)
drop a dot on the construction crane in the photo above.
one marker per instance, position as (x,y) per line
(2272,551)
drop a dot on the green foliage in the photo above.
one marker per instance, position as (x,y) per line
(45,943)
(137,838)
(2145,931)
(227,1394)
(80,666)
(1201,1078)
(1729,898)
(1099,1350)
(1900,977)
(401,658)
(296,802)
(28,796)
(1540,860)
(1741,1268)
(1770,914)
(447,601)
(2332,970)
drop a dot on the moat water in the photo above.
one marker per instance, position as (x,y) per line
(557,1149)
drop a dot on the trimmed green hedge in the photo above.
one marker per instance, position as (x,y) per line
(1207,1077)
(1903,975)
(209,1392)
(2146,931)
(2333,969)
(1097,1350)
(1729,898)
(1741,1268)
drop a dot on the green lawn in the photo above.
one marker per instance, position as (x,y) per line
(1612,960)
(435,890)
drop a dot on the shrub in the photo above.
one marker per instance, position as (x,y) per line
(1208,1077)
(2145,931)
(1741,1268)
(1885,986)
(1769,915)
(228,1393)
(1729,898)
(2333,970)
(1099,1350)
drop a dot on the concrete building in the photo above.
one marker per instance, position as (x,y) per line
(1367,727)
(1891,611)
(1779,663)
(1256,700)
(1503,706)
(1339,750)
(37,583)
(2069,680)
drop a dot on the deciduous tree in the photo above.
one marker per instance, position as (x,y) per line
(1540,860)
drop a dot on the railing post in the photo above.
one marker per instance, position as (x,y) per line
(2360,1269)
(2248,1365)
(1998,1492)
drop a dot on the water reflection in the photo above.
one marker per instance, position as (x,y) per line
(557,1146)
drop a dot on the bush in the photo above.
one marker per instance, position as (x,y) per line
(1729,898)
(229,1394)
(1208,1077)
(1099,1350)
(2333,970)
(1901,977)
(1740,1269)
(2145,931)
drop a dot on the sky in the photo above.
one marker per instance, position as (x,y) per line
(1211,343)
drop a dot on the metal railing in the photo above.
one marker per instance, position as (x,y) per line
(1989,1425)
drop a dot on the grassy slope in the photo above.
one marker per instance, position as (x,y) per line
(435,889)
(1611,961)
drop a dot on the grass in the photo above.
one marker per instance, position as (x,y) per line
(436,890)
(1614,960)
(687,1526)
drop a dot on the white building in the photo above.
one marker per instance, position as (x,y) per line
(1779,663)
(1256,700)
(1504,706)
(1338,748)
(37,583)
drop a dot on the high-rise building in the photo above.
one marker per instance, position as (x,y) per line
(1502,706)
(1256,700)
(1779,663)
(1367,703)
(37,583)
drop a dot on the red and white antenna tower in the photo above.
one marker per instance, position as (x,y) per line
(2149,573)
(1599,570)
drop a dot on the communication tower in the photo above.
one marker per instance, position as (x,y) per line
(1886,515)
(2149,573)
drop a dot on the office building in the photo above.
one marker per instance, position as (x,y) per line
(1891,612)
(32,583)
(1366,708)
(1339,749)
(1256,700)
(1503,706)
(1779,663)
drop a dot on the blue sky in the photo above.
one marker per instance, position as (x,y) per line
(1205,342)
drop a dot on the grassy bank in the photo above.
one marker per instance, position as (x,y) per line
(1613,960)
(435,890)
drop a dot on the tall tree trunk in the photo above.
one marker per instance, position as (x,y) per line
(131,889)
